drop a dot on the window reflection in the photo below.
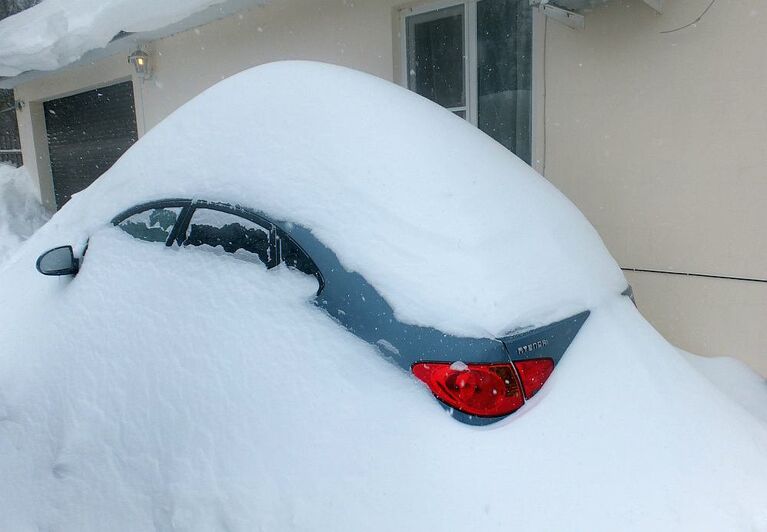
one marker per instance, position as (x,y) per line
(152,225)
(233,234)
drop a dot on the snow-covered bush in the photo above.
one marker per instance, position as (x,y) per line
(20,211)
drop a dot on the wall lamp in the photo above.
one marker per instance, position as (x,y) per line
(141,64)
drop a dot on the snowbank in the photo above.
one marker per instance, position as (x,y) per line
(155,392)
(735,379)
(20,211)
(55,33)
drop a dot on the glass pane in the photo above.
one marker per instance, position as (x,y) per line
(435,55)
(10,142)
(213,229)
(504,71)
(152,225)
(294,257)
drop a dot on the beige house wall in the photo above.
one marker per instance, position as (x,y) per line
(658,138)
(356,34)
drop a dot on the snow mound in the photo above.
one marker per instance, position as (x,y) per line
(451,228)
(21,214)
(164,388)
(155,391)
(55,33)
(736,380)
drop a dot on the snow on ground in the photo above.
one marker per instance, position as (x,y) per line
(20,211)
(736,380)
(166,389)
(55,33)
(177,402)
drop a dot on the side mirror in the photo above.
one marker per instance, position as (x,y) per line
(58,261)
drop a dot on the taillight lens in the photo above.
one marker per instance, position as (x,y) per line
(488,390)
(533,373)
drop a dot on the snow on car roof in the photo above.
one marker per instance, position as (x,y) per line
(451,228)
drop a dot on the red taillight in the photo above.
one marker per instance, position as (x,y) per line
(489,390)
(533,373)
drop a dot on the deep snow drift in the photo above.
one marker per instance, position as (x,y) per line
(20,212)
(152,392)
(178,389)
(735,379)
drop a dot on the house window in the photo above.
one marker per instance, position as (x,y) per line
(475,59)
(10,144)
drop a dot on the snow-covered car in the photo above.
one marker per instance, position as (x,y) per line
(479,380)
(216,361)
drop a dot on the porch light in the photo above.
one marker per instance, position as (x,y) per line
(140,61)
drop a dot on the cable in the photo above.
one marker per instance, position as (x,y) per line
(694,21)
(706,275)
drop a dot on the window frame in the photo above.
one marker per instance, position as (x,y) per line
(185,204)
(471,73)
(282,235)
(469,49)
(177,233)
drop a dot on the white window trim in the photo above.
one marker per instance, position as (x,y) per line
(469,49)
(470,72)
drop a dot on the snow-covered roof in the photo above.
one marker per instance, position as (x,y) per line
(56,33)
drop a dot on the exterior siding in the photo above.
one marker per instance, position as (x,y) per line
(659,140)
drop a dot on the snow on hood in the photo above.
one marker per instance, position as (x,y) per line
(451,228)
(55,33)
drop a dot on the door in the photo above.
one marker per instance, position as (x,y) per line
(87,133)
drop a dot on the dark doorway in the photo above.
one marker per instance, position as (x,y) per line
(87,133)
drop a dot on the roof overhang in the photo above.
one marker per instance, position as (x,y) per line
(126,42)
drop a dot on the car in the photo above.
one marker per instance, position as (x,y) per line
(478,380)
(250,314)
